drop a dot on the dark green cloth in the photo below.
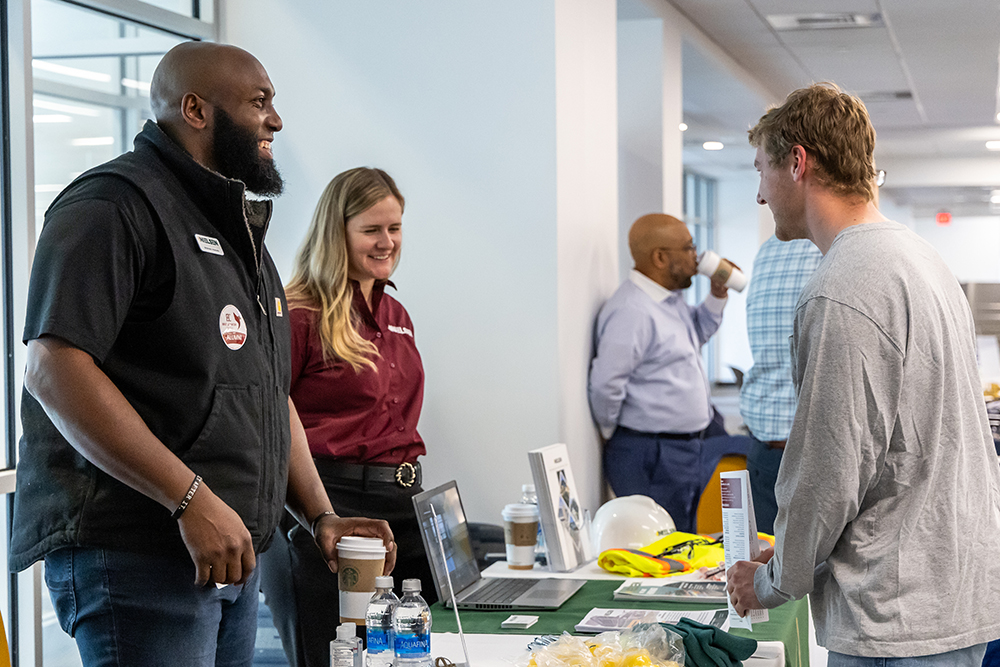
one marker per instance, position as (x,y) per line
(788,624)
(708,646)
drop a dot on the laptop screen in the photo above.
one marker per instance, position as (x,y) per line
(450,522)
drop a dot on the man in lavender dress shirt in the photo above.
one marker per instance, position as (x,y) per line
(648,389)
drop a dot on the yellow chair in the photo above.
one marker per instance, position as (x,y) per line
(709,516)
(4,649)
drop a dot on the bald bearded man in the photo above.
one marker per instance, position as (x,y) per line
(648,389)
(159,444)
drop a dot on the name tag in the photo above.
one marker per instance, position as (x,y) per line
(401,330)
(209,244)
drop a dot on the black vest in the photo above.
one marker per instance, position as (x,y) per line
(209,377)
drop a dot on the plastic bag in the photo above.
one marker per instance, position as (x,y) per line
(645,645)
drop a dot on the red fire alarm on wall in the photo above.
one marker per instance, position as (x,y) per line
(943,218)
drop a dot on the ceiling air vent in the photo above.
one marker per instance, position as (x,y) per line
(873,96)
(824,21)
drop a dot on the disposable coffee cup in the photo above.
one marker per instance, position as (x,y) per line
(721,270)
(520,532)
(360,560)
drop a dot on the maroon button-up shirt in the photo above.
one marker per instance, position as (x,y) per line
(366,417)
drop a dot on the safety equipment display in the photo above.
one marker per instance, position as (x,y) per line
(629,522)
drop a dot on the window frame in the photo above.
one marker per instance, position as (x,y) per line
(22,615)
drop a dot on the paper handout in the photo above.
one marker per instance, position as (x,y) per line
(739,535)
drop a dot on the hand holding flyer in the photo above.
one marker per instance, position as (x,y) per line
(739,535)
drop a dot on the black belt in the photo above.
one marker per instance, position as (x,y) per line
(404,475)
(666,436)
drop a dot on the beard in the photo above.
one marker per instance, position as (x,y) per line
(237,156)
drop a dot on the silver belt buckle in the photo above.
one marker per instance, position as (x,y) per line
(406,475)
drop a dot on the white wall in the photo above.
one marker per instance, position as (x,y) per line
(640,127)
(587,213)
(969,246)
(505,151)
(738,239)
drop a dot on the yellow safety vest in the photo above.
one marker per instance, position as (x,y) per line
(677,553)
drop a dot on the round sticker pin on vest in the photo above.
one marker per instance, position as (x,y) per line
(232,327)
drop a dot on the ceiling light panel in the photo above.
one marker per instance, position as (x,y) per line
(824,21)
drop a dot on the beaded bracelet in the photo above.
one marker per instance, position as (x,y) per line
(187,498)
(312,526)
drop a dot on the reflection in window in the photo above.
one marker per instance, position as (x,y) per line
(91,90)
(91,75)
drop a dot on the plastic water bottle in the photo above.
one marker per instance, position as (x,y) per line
(411,622)
(530,497)
(378,624)
(345,650)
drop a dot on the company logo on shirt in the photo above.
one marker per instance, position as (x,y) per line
(232,327)
(401,330)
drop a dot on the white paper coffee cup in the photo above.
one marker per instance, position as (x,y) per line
(520,532)
(721,270)
(359,561)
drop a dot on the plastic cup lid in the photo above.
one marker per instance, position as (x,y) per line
(371,545)
(519,511)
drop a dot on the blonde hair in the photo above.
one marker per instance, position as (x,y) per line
(319,278)
(834,129)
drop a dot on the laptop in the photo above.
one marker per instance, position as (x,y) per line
(472,591)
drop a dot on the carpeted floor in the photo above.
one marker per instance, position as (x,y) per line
(268,649)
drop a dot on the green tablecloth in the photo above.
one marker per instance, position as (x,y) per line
(789,623)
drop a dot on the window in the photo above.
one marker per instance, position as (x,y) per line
(699,214)
(90,66)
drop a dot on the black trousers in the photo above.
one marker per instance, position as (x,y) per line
(299,588)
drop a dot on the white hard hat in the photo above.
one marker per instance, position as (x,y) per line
(629,522)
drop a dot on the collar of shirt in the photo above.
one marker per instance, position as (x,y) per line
(653,289)
(359,304)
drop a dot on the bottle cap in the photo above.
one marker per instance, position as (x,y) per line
(411,585)
(347,630)
(383,582)
(527,488)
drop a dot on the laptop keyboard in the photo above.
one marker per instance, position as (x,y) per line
(501,591)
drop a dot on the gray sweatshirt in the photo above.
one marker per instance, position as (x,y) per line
(889,489)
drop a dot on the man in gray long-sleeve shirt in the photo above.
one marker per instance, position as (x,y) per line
(889,490)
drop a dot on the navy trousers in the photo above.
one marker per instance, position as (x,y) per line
(672,471)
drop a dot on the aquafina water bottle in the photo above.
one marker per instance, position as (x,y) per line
(378,623)
(411,622)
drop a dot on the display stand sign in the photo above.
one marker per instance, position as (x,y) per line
(564,523)
(739,535)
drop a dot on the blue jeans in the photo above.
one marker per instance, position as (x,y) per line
(965,657)
(141,610)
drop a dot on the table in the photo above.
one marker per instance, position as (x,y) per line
(788,623)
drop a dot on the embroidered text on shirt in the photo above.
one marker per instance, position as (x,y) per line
(401,330)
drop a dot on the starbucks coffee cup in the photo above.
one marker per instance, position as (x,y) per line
(520,532)
(721,270)
(359,561)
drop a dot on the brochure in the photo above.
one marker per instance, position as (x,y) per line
(564,525)
(739,535)
(710,592)
(605,620)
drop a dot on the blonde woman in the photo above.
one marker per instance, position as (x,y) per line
(357,384)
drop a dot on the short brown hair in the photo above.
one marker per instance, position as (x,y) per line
(834,129)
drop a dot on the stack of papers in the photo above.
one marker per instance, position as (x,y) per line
(606,620)
(711,592)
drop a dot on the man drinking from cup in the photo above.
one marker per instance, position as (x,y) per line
(649,392)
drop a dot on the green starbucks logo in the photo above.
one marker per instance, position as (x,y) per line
(349,577)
